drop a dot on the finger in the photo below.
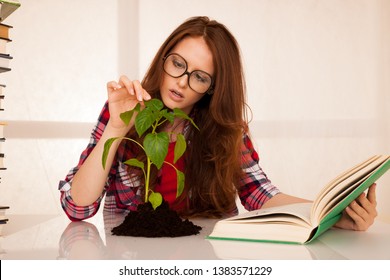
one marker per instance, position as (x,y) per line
(146,95)
(367,210)
(362,212)
(358,208)
(368,203)
(113,85)
(371,194)
(358,223)
(127,83)
(138,90)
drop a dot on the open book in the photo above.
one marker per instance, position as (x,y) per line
(303,222)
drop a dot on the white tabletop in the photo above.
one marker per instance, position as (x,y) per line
(46,237)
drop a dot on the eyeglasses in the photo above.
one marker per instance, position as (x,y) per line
(176,66)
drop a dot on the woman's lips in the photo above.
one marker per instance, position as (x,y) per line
(176,95)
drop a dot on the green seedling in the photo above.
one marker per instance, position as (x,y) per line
(155,144)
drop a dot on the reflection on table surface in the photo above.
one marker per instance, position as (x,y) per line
(55,237)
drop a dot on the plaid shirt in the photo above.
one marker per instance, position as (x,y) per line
(123,191)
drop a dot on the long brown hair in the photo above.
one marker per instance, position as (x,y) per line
(213,166)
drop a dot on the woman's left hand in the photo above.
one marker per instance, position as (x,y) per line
(360,214)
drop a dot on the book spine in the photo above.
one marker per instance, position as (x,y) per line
(6,9)
(324,226)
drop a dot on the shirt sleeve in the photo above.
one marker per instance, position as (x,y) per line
(254,188)
(74,212)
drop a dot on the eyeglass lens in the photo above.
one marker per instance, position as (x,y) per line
(176,66)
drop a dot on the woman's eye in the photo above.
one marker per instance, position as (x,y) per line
(201,78)
(178,64)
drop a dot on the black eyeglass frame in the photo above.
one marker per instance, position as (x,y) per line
(208,91)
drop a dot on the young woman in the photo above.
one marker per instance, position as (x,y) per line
(197,69)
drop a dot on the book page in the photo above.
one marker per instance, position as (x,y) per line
(336,195)
(339,196)
(344,185)
(340,178)
(286,213)
(274,219)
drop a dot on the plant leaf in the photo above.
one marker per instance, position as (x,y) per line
(155,199)
(167,115)
(135,162)
(107,146)
(180,147)
(144,121)
(156,147)
(154,104)
(180,114)
(126,116)
(180,182)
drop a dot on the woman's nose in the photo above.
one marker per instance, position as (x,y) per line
(183,81)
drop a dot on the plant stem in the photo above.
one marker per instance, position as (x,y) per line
(167,162)
(147,179)
(132,140)
(148,166)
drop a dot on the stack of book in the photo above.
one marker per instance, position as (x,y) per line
(7,7)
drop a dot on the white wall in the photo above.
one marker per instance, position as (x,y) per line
(64,54)
(317,78)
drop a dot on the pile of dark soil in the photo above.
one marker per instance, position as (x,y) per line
(162,222)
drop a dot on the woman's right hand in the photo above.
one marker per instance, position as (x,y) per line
(123,96)
(90,179)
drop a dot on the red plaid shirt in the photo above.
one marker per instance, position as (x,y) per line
(123,191)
